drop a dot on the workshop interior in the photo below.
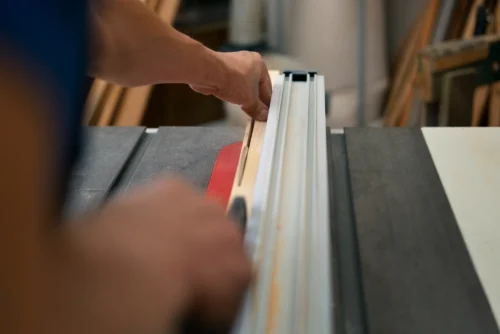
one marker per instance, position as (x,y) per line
(373,54)
(370,196)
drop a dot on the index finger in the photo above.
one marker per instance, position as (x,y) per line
(265,86)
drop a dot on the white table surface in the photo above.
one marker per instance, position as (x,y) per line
(468,163)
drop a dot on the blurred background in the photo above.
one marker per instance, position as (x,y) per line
(386,62)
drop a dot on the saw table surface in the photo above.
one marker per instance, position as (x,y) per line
(415,218)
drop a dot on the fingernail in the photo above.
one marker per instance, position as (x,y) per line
(263,114)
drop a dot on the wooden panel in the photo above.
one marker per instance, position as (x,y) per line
(250,157)
(94,99)
(104,157)
(187,151)
(417,273)
(135,99)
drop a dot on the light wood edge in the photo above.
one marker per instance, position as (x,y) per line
(401,73)
(133,107)
(478,103)
(468,32)
(249,160)
(94,100)
(402,107)
(135,99)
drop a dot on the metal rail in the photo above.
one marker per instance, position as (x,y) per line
(288,234)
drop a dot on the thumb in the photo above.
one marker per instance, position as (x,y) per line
(204,89)
(257,111)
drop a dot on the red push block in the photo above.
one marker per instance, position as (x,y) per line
(221,181)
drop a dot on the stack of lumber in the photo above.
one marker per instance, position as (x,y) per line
(110,104)
(442,20)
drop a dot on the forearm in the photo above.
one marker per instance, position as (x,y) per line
(132,46)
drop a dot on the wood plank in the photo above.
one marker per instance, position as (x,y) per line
(186,151)
(167,10)
(479,103)
(111,104)
(468,32)
(402,72)
(402,107)
(133,106)
(457,95)
(349,314)
(135,99)
(417,273)
(249,158)
(105,154)
(94,99)
(467,161)
(459,19)
(494,115)
(407,78)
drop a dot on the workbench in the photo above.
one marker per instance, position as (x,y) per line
(415,215)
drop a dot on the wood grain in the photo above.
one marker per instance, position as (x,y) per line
(135,99)
(404,69)
(494,115)
(250,158)
(479,103)
(468,32)
(429,22)
(110,105)
(94,100)
(404,82)
(188,152)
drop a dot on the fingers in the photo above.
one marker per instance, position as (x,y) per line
(257,110)
(265,86)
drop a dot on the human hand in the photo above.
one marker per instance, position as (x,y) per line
(159,253)
(245,82)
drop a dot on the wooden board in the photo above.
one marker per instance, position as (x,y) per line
(467,161)
(135,99)
(470,25)
(125,106)
(479,103)
(403,70)
(404,107)
(94,100)
(250,157)
(111,104)
(403,85)
(106,153)
(349,314)
(494,115)
(417,273)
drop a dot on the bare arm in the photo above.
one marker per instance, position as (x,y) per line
(128,268)
(131,46)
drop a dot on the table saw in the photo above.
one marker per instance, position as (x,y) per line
(422,204)
(369,231)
